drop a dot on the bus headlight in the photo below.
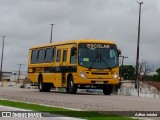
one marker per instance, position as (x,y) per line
(82,75)
(115,75)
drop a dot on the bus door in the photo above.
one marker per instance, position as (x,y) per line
(64,66)
(58,68)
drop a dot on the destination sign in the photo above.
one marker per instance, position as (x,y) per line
(98,46)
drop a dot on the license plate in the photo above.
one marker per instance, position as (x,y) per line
(99,82)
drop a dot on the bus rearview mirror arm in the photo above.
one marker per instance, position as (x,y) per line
(119,52)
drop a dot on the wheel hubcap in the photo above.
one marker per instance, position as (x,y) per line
(40,85)
(70,84)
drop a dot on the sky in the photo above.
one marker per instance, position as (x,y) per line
(26,23)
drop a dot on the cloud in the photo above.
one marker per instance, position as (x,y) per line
(26,23)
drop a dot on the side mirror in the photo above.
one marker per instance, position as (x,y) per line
(119,52)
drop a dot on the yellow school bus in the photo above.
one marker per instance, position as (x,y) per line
(75,64)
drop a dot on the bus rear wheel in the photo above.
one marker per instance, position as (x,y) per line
(43,87)
(71,87)
(107,90)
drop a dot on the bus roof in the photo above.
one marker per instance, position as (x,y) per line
(74,41)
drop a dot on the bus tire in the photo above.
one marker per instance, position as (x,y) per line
(43,87)
(107,90)
(67,90)
(71,87)
(48,87)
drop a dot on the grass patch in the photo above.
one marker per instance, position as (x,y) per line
(89,115)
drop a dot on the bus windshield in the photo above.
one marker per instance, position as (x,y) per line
(98,56)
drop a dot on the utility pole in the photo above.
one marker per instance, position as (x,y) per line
(51,32)
(137,59)
(19,71)
(122,65)
(1,74)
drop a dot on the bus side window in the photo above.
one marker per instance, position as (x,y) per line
(49,55)
(58,58)
(41,56)
(73,57)
(34,57)
(64,55)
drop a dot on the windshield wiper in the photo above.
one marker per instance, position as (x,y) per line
(105,62)
(94,61)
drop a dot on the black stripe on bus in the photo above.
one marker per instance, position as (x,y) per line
(55,69)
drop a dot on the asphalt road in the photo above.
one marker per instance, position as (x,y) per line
(85,101)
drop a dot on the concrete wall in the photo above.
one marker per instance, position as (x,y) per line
(145,90)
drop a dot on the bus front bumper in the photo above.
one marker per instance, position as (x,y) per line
(92,81)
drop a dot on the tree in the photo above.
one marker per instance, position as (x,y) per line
(157,76)
(144,68)
(158,71)
(127,72)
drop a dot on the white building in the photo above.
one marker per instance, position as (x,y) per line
(15,75)
(6,75)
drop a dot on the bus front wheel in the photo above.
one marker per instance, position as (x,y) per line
(71,87)
(107,90)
